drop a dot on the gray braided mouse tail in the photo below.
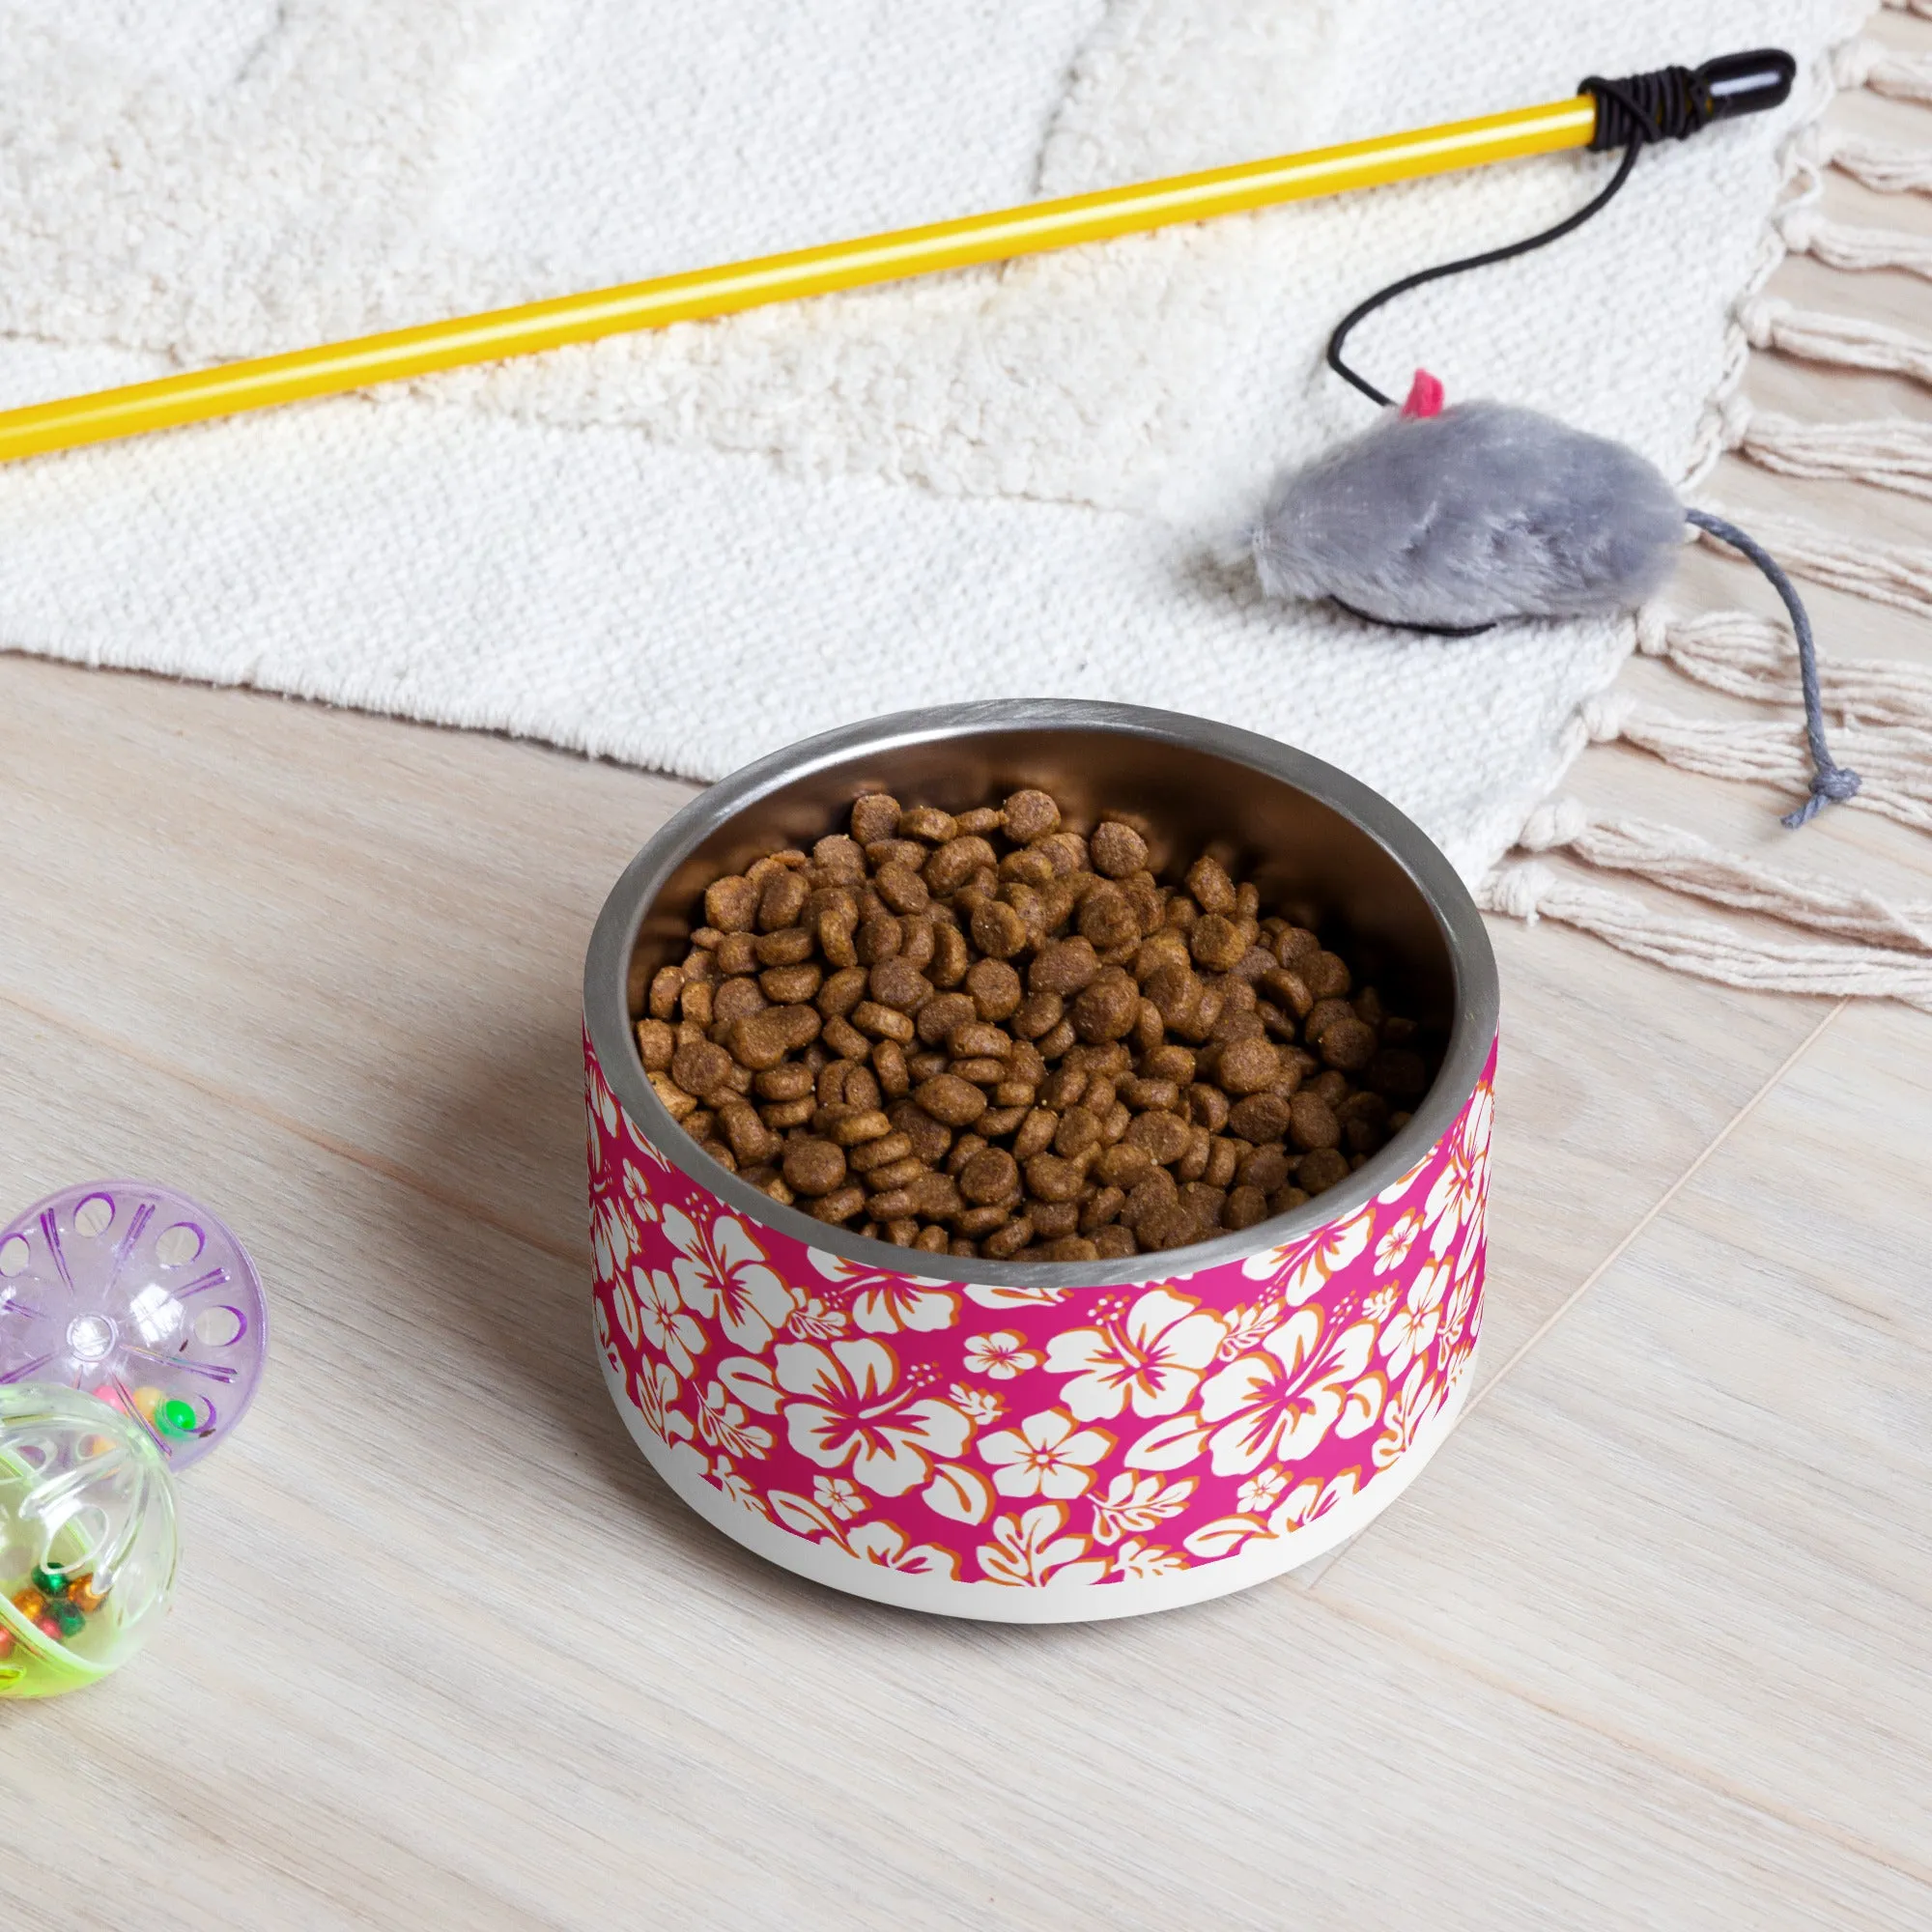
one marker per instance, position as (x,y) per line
(1831,781)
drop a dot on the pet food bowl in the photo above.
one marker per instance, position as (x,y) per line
(1038,1442)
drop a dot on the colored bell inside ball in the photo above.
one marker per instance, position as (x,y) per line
(87,1539)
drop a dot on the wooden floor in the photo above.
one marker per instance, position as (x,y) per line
(1647,1645)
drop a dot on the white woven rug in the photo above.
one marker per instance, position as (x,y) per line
(686,550)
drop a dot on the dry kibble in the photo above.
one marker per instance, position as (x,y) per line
(1322,1169)
(731,905)
(1348,1045)
(1118,850)
(814,1166)
(1248,1066)
(1108,1008)
(995,988)
(951,1101)
(1210,887)
(1312,1123)
(1327,974)
(988,1034)
(656,1043)
(1216,943)
(875,816)
(998,929)
(1028,815)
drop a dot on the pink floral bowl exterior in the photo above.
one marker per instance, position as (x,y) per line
(1047,1442)
(1035,1453)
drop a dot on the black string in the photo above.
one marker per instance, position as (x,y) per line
(1631,112)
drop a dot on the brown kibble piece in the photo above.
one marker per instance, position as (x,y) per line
(869,1124)
(1168,1227)
(875,816)
(1117,850)
(1210,887)
(954,862)
(1124,1165)
(702,1069)
(1328,976)
(951,1101)
(1163,1137)
(1348,1045)
(656,1043)
(1397,1074)
(1312,1123)
(814,1167)
(995,988)
(870,1156)
(1115,1242)
(1245,1206)
(1322,1169)
(998,929)
(839,858)
(1259,1117)
(1108,919)
(1107,1009)
(930,823)
(902,889)
(1003,1244)
(781,901)
(731,904)
(1062,966)
(1248,1066)
(897,983)
(1049,1178)
(1216,943)
(1029,815)
(991,1175)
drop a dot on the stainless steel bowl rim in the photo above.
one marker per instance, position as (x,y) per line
(606,968)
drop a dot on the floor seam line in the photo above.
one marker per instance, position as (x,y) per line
(1771,1081)
(1478,1396)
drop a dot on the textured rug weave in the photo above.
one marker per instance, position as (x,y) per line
(685,549)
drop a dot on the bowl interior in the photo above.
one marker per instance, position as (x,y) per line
(1309,861)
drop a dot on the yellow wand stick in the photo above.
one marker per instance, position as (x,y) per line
(1739,84)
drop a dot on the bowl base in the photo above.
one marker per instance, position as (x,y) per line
(1048,1602)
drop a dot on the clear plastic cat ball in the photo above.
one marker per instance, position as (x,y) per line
(87,1538)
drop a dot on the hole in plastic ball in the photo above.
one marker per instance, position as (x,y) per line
(219,1327)
(14,1255)
(94,1215)
(177,1246)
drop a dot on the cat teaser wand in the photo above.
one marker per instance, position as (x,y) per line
(1682,98)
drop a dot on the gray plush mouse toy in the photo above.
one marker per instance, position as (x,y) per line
(1454,520)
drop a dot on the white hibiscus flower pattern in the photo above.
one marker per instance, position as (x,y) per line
(1028,1437)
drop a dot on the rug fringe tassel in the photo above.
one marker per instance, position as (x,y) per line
(1883,69)
(1896,573)
(1748,656)
(1669,856)
(1894,454)
(1840,246)
(1530,891)
(1879,165)
(1813,336)
(1895,764)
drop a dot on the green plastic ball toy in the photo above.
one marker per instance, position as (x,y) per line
(87,1539)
